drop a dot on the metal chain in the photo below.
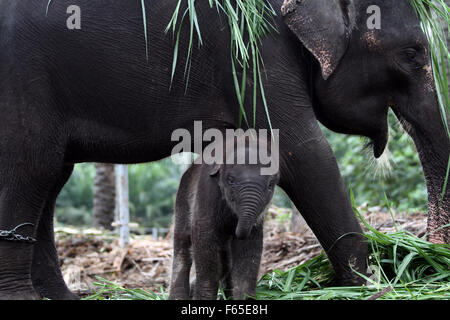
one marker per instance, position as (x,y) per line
(11,235)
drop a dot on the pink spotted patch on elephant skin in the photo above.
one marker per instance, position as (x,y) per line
(429,78)
(288,7)
(371,40)
(325,60)
(437,218)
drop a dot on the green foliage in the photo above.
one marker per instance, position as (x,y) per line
(79,217)
(152,192)
(78,191)
(280,199)
(108,290)
(74,203)
(152,189)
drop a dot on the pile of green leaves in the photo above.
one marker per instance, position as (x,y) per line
(108,290)
(405,268)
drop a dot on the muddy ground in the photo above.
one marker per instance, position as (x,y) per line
(145,263)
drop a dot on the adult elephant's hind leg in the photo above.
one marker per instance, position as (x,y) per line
(311,178)
(27,173)
(45,271)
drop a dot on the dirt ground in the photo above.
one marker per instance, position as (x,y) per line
(145,263)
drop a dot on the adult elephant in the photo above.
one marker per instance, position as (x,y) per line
(90,95)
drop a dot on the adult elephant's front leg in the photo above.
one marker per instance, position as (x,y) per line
(45,271)
(311,178)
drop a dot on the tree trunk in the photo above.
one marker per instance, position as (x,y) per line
(104,196)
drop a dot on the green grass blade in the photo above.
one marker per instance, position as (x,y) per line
(144,19)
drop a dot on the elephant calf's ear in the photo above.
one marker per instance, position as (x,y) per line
(323,26)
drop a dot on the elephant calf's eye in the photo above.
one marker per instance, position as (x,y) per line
(230,180)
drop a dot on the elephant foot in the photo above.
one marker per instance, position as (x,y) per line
(61,293)
(19,295)
(348,282)
(67,295)
(179,297)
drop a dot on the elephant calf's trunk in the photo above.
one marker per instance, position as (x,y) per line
(245,225)
(243,231)
(250,209)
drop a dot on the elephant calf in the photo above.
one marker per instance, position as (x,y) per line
(219,216)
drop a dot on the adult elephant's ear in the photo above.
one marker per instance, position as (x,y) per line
(323,26)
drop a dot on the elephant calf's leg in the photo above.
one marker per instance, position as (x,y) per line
(208,269)
(181,267)
(226,281)
(246,262)
(45,271)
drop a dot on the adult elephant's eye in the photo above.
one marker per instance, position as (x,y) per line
(230,180)
(410,54)
(410,58)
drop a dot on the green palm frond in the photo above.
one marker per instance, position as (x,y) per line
(48,6)
(144,20)
(250,19)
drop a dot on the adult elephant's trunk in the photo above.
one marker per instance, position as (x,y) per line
(434,156)
(425,125)
(250,207)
